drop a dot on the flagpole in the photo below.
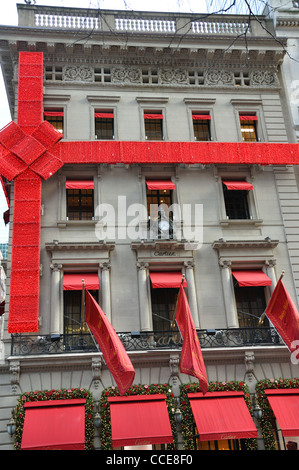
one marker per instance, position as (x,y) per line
(262,317)
(176,304)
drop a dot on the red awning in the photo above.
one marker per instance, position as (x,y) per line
(104,115)
(201,116)
(252,278)
(222,415)
(249,117)
(166,280)
(238,185)
(79,184)
(160,184)
(74,281)
(138,420)
(153,116)
(285,406)
(54,425)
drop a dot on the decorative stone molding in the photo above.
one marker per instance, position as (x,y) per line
(219,77)
(174,76)
(15,370)
(249,364)
(131,75)
(263,78)
(96,369)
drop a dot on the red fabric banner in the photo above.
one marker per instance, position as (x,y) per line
(192,362)
(282,312)
(111,346)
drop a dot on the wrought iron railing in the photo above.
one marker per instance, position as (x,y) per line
(23,344)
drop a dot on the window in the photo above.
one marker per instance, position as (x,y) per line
(153,125)
(80,199)
(55,117)
(104,124)
(159,201)
(201,126)
(236,199)
(248,125)
(251,303)
(163,306)
(73,321)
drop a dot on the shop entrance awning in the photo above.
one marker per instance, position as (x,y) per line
(166,280)
(73,281)
(252,278)
(54,425)
(222,415)
(285,406)
(138,420)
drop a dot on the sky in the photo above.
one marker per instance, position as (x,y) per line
(8,16)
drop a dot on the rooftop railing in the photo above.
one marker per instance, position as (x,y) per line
(97,20)
(25,345)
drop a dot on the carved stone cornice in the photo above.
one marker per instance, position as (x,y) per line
(101,246)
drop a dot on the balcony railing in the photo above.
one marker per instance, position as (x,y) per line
(24,345)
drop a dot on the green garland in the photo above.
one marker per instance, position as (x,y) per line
(106,438)
(62,394)
(187,415)
(266,427)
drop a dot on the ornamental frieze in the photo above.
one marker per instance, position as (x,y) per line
(81,73)
(133,75)
(126,75)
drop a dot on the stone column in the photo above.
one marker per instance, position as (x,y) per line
(105,289)
(229,298)
(192,299)
(144,310)
(55,299)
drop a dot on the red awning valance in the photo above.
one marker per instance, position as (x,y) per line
(285,406)
(238,185)
(53,113)
(79,184)
(153,116)
(160,184)
(104,115)
(74,281)
(248,117)
(54,425)
(222,415)
(166,280)
(137,420)
(252,278)
(201,116)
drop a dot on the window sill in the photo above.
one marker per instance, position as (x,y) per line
(240,222)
